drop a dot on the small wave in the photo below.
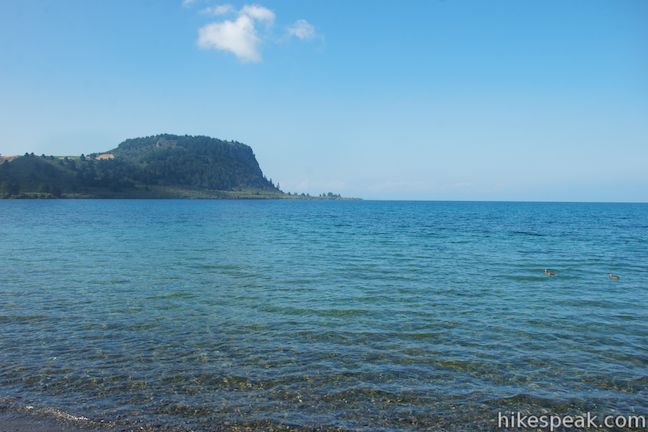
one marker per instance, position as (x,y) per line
(49,418)
(524,400)
(521,278)
(175,295)
(528,233)
(22,318)
(57,413)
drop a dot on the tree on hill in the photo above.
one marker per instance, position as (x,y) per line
(163,161)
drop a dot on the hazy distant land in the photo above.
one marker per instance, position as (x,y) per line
(161,166)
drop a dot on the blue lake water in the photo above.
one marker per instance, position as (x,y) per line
(279,315)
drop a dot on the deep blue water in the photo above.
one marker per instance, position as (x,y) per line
(351,315)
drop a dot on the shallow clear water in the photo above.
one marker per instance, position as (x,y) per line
(351,315)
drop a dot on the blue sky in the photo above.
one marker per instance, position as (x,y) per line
(454,99)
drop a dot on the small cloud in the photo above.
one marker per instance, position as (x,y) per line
(238,37)
(223,9)
(301,29)
(258,13)
(187,3)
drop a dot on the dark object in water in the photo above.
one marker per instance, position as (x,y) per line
(614,276)
(549,273)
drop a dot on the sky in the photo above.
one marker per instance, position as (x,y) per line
(432,100)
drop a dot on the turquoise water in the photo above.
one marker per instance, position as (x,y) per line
(278,315)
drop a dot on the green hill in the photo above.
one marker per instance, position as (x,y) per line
(161,166)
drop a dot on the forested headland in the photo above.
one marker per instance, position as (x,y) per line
(160,166)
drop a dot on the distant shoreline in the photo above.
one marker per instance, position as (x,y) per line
(163,166)
(193,195)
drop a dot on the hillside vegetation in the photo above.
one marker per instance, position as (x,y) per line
(161,166)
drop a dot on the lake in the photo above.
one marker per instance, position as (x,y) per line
(320,315)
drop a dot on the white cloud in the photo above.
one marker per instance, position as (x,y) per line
(301,29)
(223,9)
(238,37)
(241,36)
(258,13)
(187,3)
